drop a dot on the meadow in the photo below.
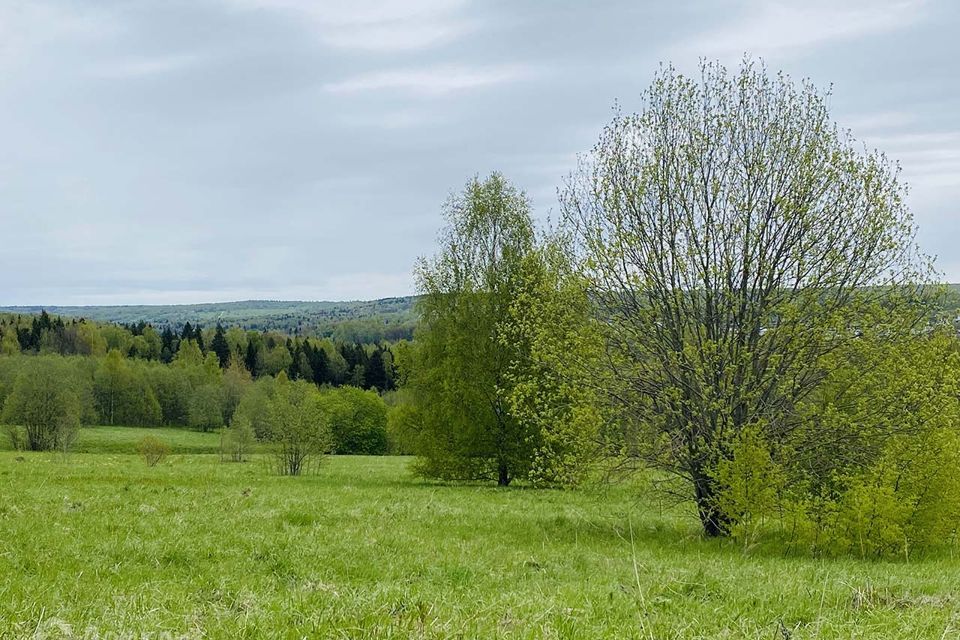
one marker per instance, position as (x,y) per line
(96,545)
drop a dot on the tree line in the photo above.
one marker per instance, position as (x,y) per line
(363,321)
(45,399)
(58,374)
(321,361)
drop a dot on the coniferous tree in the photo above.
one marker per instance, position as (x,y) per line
(251,360)
(220,346)
(167,347)
(320,366)
(375,376)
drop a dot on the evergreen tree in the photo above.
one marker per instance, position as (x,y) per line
(251,360)
(320,366)
(220,346)
(375,376)
(168,348)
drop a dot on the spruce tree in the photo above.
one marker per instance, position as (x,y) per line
(221,347)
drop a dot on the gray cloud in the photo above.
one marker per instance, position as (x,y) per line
(184,151)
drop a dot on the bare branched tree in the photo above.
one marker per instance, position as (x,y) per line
(732,236)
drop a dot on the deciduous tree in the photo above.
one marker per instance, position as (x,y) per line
(460,379)
(731,236)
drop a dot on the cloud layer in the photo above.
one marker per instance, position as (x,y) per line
(185,151)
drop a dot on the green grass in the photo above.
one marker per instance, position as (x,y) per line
(125,440)
(99,545)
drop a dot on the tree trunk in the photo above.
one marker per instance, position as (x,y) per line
(715,524)
(503,477)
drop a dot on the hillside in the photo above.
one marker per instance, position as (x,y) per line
(360,320)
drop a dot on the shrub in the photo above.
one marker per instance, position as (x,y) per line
(358,421)
(255,406)
(45,403)
(153,450)
(402,423)
(237,440)
(751,482)
(298,426)
(17,436)
(869,466)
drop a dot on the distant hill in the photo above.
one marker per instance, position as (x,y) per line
(360,320)
(352,321)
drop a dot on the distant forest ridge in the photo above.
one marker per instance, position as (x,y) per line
(367,321)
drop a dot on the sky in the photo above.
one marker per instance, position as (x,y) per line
(189,151)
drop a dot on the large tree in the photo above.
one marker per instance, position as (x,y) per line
(45,402)
(460,378)
(731,236)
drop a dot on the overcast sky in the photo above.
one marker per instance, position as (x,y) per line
(213,150)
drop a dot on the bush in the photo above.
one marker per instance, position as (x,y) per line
(44,401)
(870,469)
(153,450)
(255,406)
(237,440)
(402,422)
(297,425)
(358,421)
(751,483)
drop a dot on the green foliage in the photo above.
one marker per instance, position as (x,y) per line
(122,393)
(153,450)
(871,470)
(45,404)
(275,360)
(238,440)
(173,390)
(752,485)
(731,238)
(205,410)
(459,379)
(403,423)
(297,426)
(220,346)
(255,406)
(189,355)
(365,321)
(9,345)
(551,315)
(235,382)
(357,420)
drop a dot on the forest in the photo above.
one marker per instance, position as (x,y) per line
(109,374)
(369,321)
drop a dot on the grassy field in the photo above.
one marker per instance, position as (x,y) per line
(100,545)
(125,440)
